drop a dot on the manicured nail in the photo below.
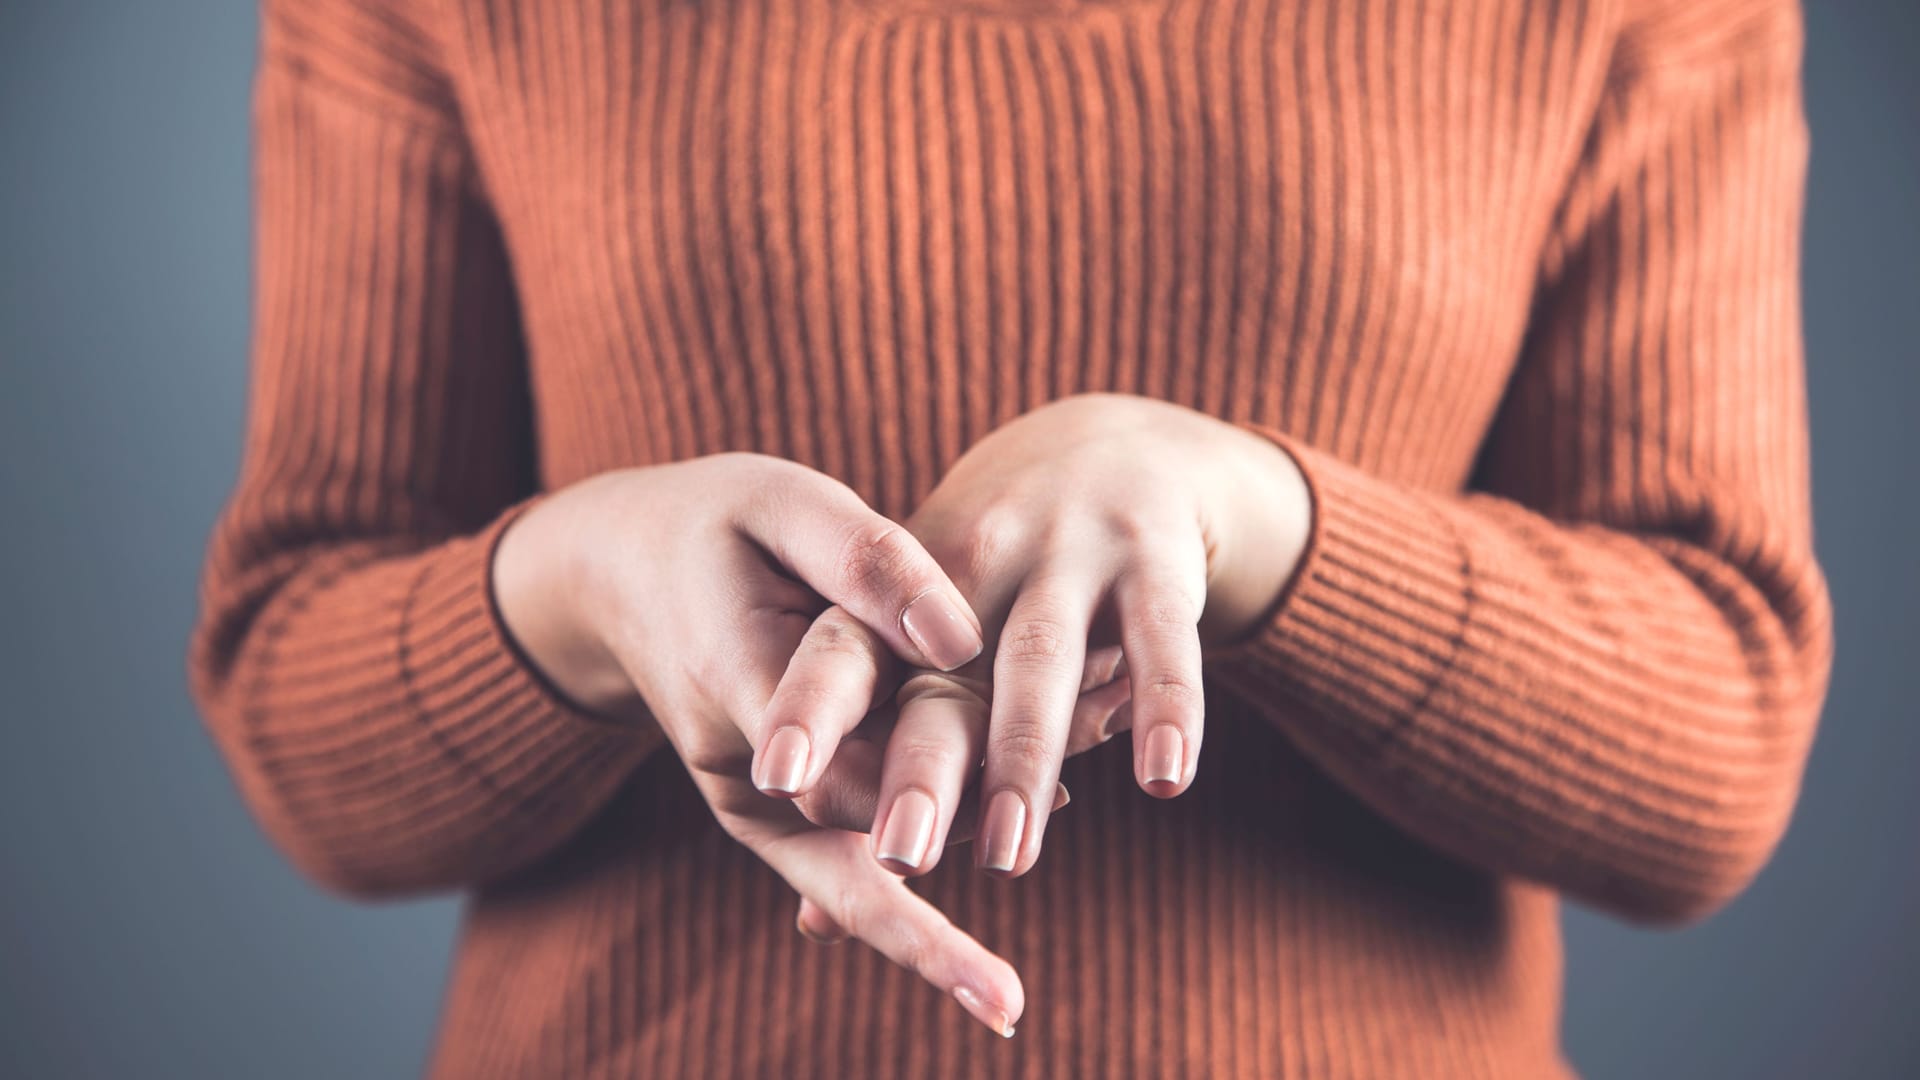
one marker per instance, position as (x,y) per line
(991,1015)
(1000,836)
(1165,755)
(936,625)
(1061,796)
(909,830)
(784,763)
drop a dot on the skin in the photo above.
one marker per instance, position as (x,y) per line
(1097,517)
(1095,545)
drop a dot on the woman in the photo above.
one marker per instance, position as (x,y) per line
(700,453)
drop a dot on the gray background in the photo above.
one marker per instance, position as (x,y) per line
(146,928)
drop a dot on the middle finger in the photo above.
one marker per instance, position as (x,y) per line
(1037,671)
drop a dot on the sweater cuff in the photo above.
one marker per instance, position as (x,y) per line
(1374,616)
(467,678)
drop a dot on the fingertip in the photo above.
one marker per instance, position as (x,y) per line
(997,1017)
(1163,761)
(903,842)
(941,630)
(994,995)
(1003,829)
(783,763)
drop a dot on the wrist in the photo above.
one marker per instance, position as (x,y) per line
(1264,518)
(541,591)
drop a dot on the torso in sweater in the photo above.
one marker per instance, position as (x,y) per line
(862,233)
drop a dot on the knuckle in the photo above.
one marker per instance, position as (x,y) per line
(766,489)
(717,757)
(1025,747)
(1168,609)
(1134,528)
(942,686)
(928,753)
(836,633)
(987,539)
(776,477)
(1037,639)
(851,909)
(913,951)
(874,557)
(800,704)
(1171,692)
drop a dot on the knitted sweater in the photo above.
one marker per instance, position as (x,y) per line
(1513,280)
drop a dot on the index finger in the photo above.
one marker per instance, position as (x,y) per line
(831,682)
(823,533)
(833,870)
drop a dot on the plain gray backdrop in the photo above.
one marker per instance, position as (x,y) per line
(146,927)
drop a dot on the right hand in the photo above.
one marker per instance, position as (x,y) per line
(682,592)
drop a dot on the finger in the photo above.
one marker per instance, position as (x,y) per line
(934,750)
(965,818)
(817,926)
(1099,715)
(827,537)
(848,795)
(829,686)
(735,681)
(1037,672)
(1159,628)
(833,870)
(1104,665)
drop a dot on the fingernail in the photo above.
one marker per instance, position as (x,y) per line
(784,764)
(1000,836)
(991,1015)
(939,629)
(1061,796)
(1166,750)
(909,830)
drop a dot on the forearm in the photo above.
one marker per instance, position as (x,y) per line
(380,722)
(1623,716)
(1602,668)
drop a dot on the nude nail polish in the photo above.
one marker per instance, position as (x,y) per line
(784,763)
(937,626)
(1165,756)
(909,830)
(991,1015)
(1001,834)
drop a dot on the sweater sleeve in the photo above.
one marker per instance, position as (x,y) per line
(1601,667)
(348,658)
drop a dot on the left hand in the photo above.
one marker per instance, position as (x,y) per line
(1093,519)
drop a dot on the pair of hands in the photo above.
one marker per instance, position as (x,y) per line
(1056,589)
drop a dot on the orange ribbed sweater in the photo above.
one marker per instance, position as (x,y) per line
(1515,281)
